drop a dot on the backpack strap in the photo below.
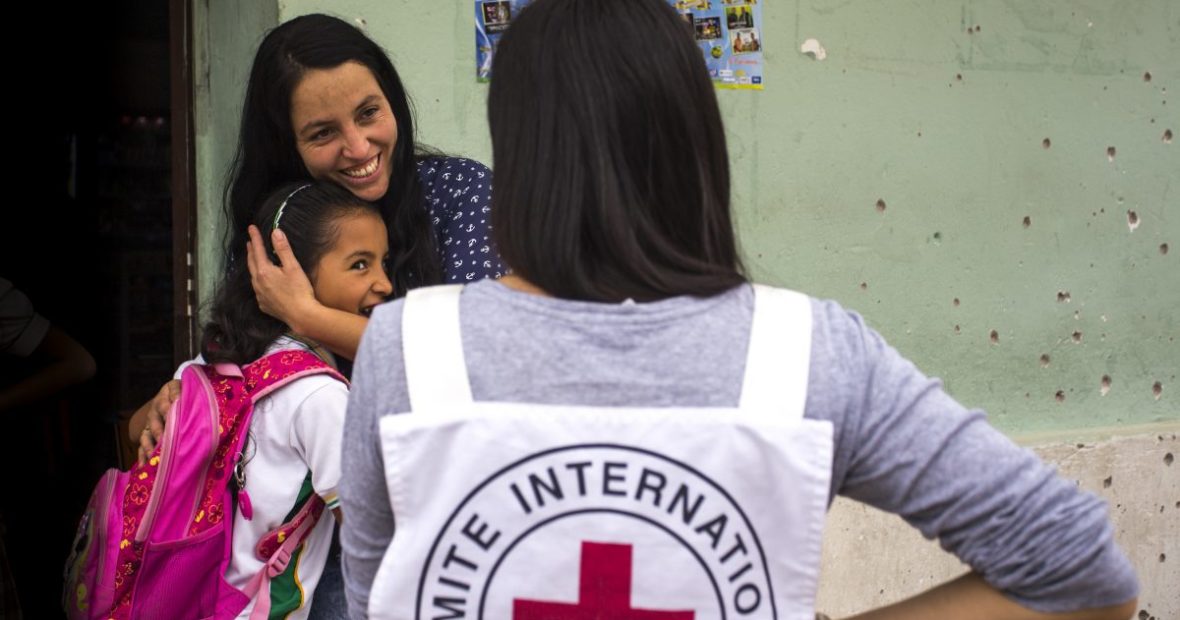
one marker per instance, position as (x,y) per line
(261,377)
(272,371)
(432,347)
(275,550)
(269,373)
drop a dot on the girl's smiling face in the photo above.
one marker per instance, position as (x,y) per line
(351,276)
(344,128)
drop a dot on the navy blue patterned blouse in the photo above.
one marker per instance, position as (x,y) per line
(458,194)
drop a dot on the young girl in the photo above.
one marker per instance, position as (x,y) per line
(295,434)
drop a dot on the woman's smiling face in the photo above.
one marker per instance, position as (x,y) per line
(344,128)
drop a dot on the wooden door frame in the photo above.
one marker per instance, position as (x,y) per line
(184,195)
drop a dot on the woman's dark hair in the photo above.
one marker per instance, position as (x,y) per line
(237,330)
(612,178)
(267,156)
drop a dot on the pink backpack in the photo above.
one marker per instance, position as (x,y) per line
(155,541)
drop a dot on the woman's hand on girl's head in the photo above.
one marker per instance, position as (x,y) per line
(283,291)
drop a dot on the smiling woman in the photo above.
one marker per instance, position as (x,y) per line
(345,138)
(324,102)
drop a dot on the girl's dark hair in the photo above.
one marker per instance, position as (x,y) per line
(612,178)
(237,330)
(267,156)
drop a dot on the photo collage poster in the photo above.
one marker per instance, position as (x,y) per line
(729,33)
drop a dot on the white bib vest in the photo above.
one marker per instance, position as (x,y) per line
(521,511)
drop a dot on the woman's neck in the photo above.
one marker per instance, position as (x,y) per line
(518,283)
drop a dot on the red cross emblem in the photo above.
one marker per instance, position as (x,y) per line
(604,591)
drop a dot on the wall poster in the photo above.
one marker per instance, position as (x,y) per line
(729,33)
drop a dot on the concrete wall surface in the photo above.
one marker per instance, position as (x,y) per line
(872,558)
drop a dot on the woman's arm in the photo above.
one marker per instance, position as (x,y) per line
(906,447)
(285,293)
(459,195)
(971,598)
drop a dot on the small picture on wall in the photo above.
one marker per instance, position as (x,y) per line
(708,28)
(739,17)
(497,15)
(745,41)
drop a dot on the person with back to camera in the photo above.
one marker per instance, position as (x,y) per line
(324,102)
(627,418)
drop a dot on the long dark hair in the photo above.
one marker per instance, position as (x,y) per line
(612,177)
(237,330)
(267,156)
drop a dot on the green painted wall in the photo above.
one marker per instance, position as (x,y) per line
(225,36)
(946,128)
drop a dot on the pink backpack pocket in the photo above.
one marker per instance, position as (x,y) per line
(186,574)
(90,569)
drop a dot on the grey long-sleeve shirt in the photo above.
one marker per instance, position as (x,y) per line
(901,443)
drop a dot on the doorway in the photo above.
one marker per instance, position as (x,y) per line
(97,231)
